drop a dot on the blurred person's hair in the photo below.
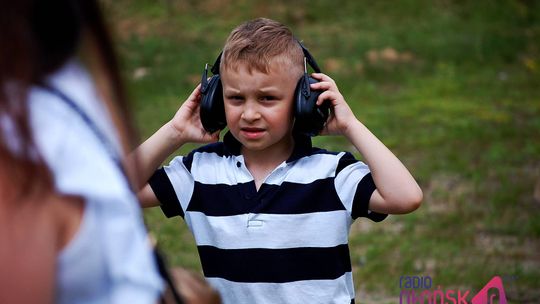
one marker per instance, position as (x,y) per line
(37,38)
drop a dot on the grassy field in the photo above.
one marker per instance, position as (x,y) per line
(452,87)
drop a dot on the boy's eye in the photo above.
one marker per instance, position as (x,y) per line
(268,98)
(235,97)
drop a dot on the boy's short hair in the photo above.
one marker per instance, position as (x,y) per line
(260,43)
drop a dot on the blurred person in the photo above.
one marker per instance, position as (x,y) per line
(71,230)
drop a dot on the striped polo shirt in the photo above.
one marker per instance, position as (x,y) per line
(286,242)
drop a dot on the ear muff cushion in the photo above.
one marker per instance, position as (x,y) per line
(212,110)
(309,118)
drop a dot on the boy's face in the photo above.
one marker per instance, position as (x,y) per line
(259,107)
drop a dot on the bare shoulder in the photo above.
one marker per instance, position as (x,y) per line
(31,233)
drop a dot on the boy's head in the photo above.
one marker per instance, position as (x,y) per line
(261,44)
(260,67)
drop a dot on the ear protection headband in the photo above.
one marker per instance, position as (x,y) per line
(309,118)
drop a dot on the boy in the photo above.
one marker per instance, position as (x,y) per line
(270,214)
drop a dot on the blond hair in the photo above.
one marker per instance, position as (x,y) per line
(260,44)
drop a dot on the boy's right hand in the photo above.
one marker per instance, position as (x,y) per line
(186,123)
(184,127)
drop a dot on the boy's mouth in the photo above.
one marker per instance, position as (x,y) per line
(252,133)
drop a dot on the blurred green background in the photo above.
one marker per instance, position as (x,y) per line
(452,87)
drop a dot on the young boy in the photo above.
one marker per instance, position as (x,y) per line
(270,213)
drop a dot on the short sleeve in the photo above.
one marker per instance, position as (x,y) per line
(173,186)
(354,186)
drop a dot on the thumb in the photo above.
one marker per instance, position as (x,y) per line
(213,137)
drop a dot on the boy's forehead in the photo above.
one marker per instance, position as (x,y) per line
(244,79)
(273,72)
(279,66)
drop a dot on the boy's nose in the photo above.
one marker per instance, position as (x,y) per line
(250,113)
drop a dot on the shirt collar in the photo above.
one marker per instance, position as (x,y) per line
(233,146)
(302,145)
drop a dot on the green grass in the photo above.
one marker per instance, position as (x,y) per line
(452,87)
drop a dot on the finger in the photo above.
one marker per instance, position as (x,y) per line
(212,137)
(195,95)
(324,130)
(322,77)
(323,85)
(215,135)
(193,101)
(318,76)
(329,96)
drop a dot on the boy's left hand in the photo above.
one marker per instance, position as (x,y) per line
(341,115)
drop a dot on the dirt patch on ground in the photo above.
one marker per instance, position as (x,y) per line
(444,192)
(364,296)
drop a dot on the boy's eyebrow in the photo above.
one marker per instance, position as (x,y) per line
(269,90)
(232,91)
(266,90)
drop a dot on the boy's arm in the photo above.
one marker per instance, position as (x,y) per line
(183,128)
(397,191)
(147,197)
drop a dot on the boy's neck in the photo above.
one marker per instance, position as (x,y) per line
(261,163)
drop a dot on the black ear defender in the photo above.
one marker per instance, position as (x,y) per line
(309,118)
(212,110)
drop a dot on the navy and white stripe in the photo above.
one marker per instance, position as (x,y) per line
(287,242)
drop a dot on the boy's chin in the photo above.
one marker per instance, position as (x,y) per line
(255,146)
(250,146)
